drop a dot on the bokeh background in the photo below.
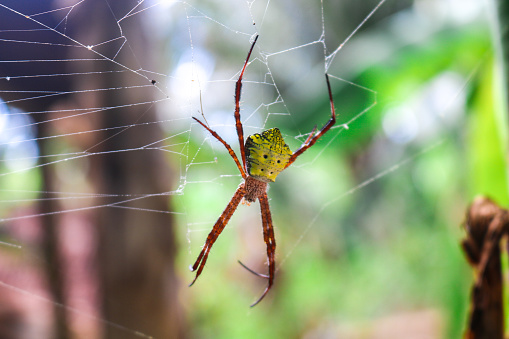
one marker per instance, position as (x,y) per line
(109,188)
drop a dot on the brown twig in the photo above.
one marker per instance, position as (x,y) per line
(486,224)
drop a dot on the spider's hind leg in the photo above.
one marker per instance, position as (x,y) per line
(270,242)
(252,271)
(219,226)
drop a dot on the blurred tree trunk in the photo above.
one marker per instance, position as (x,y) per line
(50,241)
(50,222)
(136,248)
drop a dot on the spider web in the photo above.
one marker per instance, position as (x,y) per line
(201,47)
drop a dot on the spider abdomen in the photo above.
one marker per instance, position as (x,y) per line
(266,155)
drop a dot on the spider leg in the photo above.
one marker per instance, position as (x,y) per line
(228,147)
(310,136)
(216,231)
(310,141)
(252,271)
(238,123)
(270,241)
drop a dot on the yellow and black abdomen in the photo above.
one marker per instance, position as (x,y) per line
(266,154)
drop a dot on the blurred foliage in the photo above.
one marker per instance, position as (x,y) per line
(367,223)
(349,258)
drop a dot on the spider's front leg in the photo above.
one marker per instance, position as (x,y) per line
(216,231)
(238,92)
(313,136)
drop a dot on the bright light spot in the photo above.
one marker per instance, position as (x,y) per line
(435,106)
(456,11)
(400,125)
(89,47)
(187,79)
(187,82)
(21,154)
(165,4)
(17,150)
(412,26)
(447,96)
(463,11)
(3,123)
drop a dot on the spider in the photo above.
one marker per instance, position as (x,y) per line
(264,156)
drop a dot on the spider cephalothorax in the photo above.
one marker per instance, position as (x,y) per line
(264,156)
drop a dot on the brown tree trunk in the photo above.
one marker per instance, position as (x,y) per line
(50,244)
(22,30)
(136,248)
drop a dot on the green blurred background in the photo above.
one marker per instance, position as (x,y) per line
(368,220)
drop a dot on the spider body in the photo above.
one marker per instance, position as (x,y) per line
(254,188)
(266,155)
(263,156)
